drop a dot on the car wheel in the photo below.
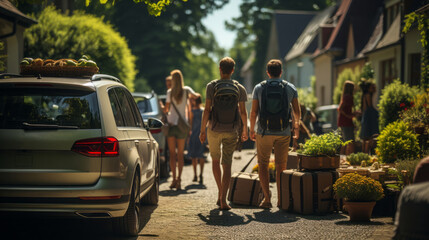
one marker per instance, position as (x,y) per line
(152,197)
(129,224)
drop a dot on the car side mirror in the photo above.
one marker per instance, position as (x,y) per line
(154,125)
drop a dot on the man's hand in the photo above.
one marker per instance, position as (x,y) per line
(203,136)
(252,135)
(296,132)
(244,136)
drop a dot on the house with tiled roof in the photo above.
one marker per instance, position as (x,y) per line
(395,54)
(298,63)
(341,41)
(12,25)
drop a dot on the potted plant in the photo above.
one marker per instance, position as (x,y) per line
(271,170)
(360,194)
(321,151)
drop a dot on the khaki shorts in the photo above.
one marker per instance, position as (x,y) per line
(228,141)
(174,131)
(264,147)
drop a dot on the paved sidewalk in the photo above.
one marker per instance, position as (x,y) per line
(192,213)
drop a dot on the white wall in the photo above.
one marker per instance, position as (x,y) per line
(300,75)
(377,57)
(323,74)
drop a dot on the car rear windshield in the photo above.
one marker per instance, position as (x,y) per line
(61,108)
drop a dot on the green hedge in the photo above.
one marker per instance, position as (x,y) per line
(397,141)
(392,96)
(59,36)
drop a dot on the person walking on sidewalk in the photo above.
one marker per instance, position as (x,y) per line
(176,106)
(195,147)
(225,112)
(272,100)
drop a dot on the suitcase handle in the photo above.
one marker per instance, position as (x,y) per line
(244,168)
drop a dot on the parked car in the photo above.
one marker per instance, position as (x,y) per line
(149,107)
(76,146)
(327,117)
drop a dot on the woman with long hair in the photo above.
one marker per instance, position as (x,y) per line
(346,114)
(369,122)
(176,107)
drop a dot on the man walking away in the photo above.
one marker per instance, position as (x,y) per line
(271,103)
(224,109)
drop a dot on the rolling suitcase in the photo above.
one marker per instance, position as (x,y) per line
(245,188)
(308,192)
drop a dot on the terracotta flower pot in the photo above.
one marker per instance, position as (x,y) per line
(359,211)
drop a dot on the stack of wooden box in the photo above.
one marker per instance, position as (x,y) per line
(309,188)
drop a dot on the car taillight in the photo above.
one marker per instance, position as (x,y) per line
(97,147)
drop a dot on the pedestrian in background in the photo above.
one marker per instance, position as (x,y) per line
(195,147)
(276,132)
(346,114)
(369,122)
(176,106)
(224,98)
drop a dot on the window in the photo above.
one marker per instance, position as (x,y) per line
(125,108)
(115,108)
(20,106)
(388,72)
(137,117)
(322,95)
(415,69)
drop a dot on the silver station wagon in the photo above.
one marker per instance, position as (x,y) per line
(76,146)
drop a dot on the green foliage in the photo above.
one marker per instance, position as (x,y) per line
(417,114)
(347,74)
(423,26)
(2,67)
(405,169)
(307,98)
(59,36)
(358,158)
(393,97)
(327,144)
(367,71)
(357,188)
(397,141)
(153,8)
(199,71)
(167,42)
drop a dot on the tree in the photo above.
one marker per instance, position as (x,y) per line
(167,42)
(254,23)
(59,36)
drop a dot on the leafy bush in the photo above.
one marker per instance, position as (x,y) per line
(58,36)
(358,158)
(405,169)
(417,114)
(393,97)
(357,188)
(327,144)
(307,98)
(397,141)
(347,74)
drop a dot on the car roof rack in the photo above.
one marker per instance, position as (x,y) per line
(98,77)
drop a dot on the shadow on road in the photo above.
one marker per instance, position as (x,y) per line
(189,189)
(217,217)
(29,226)
(349,223)
(267,216)
(327,217)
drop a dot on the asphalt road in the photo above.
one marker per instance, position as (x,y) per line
(192,213)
